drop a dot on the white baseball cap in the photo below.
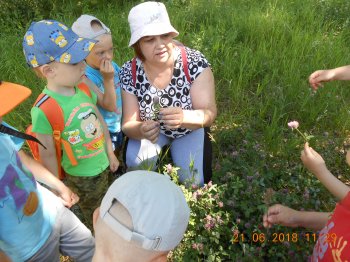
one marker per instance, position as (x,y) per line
(149,18)
(157,208)
(83,27)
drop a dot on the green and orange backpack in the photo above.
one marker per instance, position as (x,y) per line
(54,114)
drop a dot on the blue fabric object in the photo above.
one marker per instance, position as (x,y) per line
(113,119)
(49,40)
(18,142)
(26,220)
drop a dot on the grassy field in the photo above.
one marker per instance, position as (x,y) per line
(261,52)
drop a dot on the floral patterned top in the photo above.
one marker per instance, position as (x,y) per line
(176,94)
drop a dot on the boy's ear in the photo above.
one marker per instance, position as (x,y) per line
(47,71)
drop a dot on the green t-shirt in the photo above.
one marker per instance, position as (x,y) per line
(82,130)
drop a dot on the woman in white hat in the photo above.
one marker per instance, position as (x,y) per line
(168,97)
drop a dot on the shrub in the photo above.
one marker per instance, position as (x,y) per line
(208,236)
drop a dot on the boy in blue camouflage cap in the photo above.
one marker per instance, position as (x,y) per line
(57,54)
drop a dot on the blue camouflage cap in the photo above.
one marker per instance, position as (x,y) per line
(49,40)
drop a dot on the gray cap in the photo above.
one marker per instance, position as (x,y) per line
(157,207)
(83,27)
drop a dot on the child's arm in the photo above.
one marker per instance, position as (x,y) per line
(106,100)
(319,76)
(48,156)
(43,175)
(316,165)
(113,160)
(109,97)
(285,216)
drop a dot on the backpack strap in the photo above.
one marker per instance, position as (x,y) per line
(85,88)
(133,71)
(185,62)
(12,132)
(55,116)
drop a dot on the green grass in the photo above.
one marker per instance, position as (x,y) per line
(261,52)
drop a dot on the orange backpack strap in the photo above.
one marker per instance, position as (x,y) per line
(85,88)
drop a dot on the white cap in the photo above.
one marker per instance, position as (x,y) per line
(83,27)
(157,207)
(149,18)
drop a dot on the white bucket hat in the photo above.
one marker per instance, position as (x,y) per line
(149,18)
(157,208)
(83,27)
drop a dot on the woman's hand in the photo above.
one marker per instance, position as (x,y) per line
(172,117)
(150,130)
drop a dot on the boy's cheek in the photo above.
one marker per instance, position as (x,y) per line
(93,60)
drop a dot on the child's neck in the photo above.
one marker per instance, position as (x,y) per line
(62,90)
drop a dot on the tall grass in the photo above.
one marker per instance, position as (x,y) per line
(261,52)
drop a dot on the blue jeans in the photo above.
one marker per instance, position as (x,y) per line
(117,140)
(193,148)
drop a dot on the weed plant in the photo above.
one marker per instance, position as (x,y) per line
(262,53)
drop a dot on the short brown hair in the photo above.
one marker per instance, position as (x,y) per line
(138,52)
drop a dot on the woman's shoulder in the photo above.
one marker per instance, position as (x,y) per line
(195,59)
(191,50)
(125,69)
(128,74)
(127,64)
(192,55)
(188,50)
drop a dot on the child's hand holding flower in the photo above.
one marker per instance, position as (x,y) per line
(312,160)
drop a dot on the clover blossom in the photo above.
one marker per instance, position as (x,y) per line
(295,125)
(209,222)
(169,168)
(157,107)
(197,246)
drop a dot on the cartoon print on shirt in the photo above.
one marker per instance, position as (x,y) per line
(73,136)
(92,129)
(78,151)
(13,192)
(337,249)
(322,244)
